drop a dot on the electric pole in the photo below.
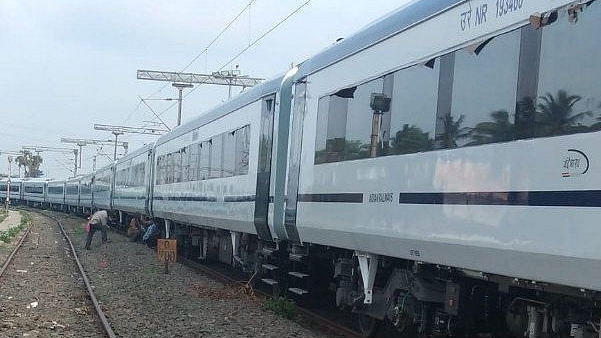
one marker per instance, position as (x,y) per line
(120,130)
(84,142)
(180,87)
(10,160)
(185,80)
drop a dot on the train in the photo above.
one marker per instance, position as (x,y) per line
(435,171)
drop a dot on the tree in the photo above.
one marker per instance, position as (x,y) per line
(411,139)
(452,132)
(500,129)
(555,115)
(31,163)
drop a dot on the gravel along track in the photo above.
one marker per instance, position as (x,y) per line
(139,300)
(42,293)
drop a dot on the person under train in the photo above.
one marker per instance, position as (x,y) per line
(134,231)
(151,233)
(98,222)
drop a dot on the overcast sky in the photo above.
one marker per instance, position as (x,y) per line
(67,64)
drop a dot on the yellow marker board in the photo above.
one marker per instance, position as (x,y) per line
(167,250)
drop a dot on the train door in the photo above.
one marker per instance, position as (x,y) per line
(296,137)
(264,168)
(149,182)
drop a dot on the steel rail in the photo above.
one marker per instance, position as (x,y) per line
(228,280)
(14,252)
(107,326)
(224,278)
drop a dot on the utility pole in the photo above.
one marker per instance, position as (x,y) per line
(120,130)
(185,80)
(180,87)
(11,152)
(39,149)
(84,142)
(10,160)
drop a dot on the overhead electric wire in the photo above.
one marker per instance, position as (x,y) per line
(244,50)
(194,60)
(264,34)
(210,43)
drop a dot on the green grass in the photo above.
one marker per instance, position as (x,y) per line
(3,214)
(7,235)
(151,269)
(79,230)
(281,306)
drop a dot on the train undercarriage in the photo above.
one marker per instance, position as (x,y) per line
(413,298)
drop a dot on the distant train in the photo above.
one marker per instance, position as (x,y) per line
(436,170)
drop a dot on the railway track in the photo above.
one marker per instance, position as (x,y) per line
(73,254)
(227,277)
(327,324)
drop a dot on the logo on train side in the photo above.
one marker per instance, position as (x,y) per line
(575,163)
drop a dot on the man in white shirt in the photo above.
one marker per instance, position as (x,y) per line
(98,222)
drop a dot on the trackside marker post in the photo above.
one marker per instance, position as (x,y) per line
(167,251)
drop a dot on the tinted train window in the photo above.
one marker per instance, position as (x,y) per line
(216,156)
(193,152)
(484,93)
(185,167)
(34,189)
(412,110)
(569,96)
(55,190)
(229,154)
(205,160)
(242,150)
(348,118)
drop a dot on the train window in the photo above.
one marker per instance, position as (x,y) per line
(216,156)
(321,155)
(347,116)
(185,175)
(178,172)
(159,170)
(229,154)
(205,160)
(242,150)
(168,165)
(55,190)
(569,97)
(193,152)
(359,120)
(484,93)
(412,110)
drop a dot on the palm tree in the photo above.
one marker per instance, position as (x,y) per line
(498,130)
(31,163)
(555,114)
(452,131)
(411,139)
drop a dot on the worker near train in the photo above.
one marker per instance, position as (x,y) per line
(98,222)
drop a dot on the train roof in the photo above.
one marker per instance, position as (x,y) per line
(223,109)
(36,179)
(135,153)
(382,29)
(106,167)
